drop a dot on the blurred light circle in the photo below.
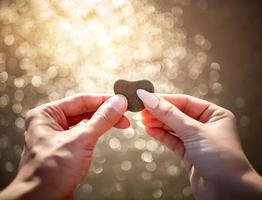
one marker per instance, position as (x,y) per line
(126,165)
(17,108)
(36,81)
(146,176)
(52,72)
(129,133)
(9,166)
(173,170)
(244,121)
(19,95)
(19,82)
(140,143)
(4,100)
(187,191)
(147,156)
(9,40)
(20,122)
(3,77)
(215,66)
(151,166)
(115,144)
(217,88)
(151,145)
(98,169)
(157,193)
(240,102)
(87,188)
(4,142)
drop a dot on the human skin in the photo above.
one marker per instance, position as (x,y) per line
(59,144)
(205,137)
(58,149)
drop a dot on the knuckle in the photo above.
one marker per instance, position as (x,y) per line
(224,113)
(27,137)
(30,114)
(168,112)
(230,114)
(32,153)
(103,117)
(110,111)
(163,138)
(84,131)
(87,130)
(33,113)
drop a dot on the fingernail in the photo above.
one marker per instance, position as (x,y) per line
(149,99)
(118,102)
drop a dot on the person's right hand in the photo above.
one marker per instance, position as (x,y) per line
(204,135)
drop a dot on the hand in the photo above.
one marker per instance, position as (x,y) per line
(58,149)
(204,135)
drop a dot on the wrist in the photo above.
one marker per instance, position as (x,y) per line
(20,190)
(29,189)
(246,186)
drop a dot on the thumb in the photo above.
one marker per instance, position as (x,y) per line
(183,125)
(108,114)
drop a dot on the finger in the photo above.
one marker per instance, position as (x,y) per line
(108,115)
(72,121)
(196,108)
(170,141)
(153,121)
(123,123)
(146,113)
(170,115)
(150,122)
(156,124)
(73,106)
(79,104)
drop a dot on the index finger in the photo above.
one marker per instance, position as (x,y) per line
(191,106)
(79,104)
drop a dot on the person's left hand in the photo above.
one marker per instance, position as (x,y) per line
(59,144)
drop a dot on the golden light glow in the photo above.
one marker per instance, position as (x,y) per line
(50,49)
(93,43)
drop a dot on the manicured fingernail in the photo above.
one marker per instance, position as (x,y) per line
(118,102)
(149,99)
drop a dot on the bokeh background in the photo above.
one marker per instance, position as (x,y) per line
(223,37)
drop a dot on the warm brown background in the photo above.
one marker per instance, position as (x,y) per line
(234,27)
